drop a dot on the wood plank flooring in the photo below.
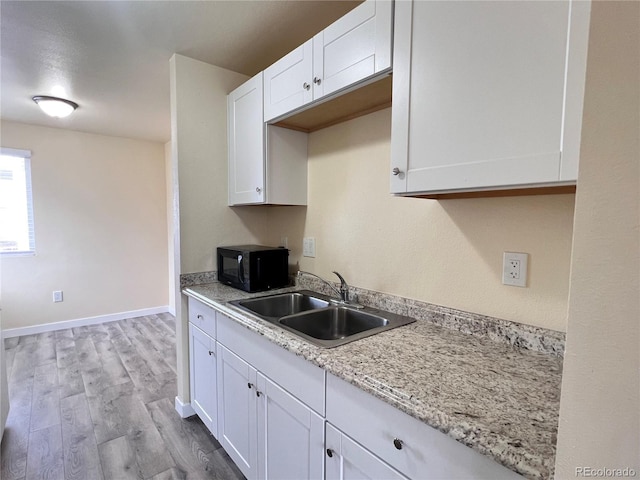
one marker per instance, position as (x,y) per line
(97,402)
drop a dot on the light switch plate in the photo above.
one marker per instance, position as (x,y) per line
(309,247)
(514,269)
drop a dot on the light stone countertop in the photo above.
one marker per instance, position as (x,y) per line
(499,400)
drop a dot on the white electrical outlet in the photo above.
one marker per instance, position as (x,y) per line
(309,247)
(57,296)
(514,269)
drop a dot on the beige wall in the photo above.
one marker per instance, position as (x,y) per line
(600,403)
(168,168)
(444,252)
(100,227)
(200,145)
(202,219)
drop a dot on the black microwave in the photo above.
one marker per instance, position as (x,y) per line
(253,268)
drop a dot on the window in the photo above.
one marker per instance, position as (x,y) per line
(16,210)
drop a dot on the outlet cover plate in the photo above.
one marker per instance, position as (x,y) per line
(514,269)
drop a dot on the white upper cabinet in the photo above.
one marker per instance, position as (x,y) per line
(246,143)
(487,95)
(352,49)
(287,83)
(267,164)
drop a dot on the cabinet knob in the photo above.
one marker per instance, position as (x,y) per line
(199,317)
(250,385)
(258,189)
(397,443)
(396,171)
(329,453)
(210,352)
(317,80)
(306,86)
(258,393)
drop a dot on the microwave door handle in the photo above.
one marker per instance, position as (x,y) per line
(240,268)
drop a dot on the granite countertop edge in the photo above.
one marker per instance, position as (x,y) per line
(507,451)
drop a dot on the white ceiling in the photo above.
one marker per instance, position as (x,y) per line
(112,57)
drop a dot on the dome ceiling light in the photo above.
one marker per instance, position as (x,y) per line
(54,106)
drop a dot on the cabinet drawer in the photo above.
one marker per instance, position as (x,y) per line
(426,453)
(302,379)
(202,317)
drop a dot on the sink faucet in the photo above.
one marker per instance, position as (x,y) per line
(343,293)
(344,288)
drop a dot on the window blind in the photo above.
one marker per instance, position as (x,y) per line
(17,232)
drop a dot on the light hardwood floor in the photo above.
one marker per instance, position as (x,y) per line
(98,402)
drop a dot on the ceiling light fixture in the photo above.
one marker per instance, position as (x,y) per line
(54,106)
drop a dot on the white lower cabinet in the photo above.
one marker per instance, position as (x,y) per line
(347,460)
(203,377)
(280,417)
(406,444)
(290,435)
(268,432)
(237,411)
(202,364)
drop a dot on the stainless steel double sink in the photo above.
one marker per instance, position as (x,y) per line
(319,319)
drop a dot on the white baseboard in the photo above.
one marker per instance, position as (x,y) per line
(185,410)
(80,322)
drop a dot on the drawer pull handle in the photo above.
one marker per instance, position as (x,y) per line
(397,443)
(250,385)
(329,453)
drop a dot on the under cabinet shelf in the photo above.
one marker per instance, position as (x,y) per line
(355,103)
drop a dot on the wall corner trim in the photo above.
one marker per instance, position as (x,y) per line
(80,322)
(185,410)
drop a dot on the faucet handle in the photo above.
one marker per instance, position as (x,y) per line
(344,288)
(342,280)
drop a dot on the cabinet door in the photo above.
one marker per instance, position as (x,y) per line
(246,143)
(202,377)
(287,83)
(355,47)
(351,461)
(290,436)
(237,411)
(479,93)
